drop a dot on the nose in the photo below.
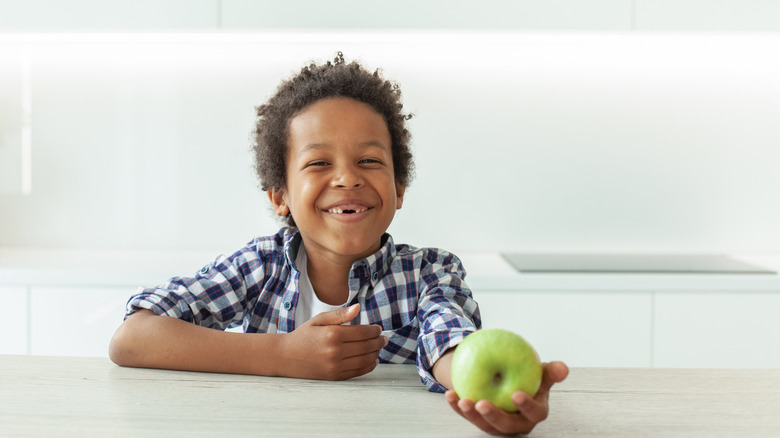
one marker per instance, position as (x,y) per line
(347,177)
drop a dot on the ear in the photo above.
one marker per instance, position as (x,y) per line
(399,196)
(278,198)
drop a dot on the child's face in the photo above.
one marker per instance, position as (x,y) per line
(341,188)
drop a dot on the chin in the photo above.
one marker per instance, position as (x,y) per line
(357,249)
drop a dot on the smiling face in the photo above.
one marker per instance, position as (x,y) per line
(341,189)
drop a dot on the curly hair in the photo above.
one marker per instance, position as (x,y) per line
(316,82)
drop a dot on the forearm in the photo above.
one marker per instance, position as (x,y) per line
(151,341)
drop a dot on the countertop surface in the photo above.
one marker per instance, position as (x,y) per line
(82,397)
(485,271)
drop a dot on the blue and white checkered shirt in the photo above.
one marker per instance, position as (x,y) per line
(417,296)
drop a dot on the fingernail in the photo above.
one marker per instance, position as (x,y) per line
(387,340)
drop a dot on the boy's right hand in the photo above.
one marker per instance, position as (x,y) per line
(324,349)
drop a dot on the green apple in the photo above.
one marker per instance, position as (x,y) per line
(491,364)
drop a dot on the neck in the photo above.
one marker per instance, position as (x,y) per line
(330,281)
(329,272)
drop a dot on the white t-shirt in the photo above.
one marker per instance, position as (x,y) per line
(309,305)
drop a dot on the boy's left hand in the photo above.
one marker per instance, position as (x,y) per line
(531,411)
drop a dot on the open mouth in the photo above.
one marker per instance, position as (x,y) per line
(346,211)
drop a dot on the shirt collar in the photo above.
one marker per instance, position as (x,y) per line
(376,265)
(292,242)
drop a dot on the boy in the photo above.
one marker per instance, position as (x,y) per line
(331,295)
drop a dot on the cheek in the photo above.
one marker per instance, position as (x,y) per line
(306,193)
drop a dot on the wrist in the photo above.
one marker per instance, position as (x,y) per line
(267,354)
(442,369)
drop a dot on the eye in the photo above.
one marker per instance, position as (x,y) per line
(369,161)
(317,163)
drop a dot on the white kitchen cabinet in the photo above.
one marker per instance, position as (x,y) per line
(12,84)
(71,302)
(13,324)
(706,15)
(436,14)
(75,321)
(103,15)
(720,330)
(581,328)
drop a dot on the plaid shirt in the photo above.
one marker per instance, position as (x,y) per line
(417,296)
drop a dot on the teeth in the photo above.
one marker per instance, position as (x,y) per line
(340,211)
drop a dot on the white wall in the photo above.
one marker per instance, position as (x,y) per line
(569,139)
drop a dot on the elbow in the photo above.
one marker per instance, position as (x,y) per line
(118,348)
(124,348)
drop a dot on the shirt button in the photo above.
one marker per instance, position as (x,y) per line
(204,270)
(375,276)
(287,305)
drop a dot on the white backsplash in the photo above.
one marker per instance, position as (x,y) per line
(523,141)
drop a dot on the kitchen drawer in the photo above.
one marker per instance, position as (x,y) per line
(75,321)
(13,324)
(717,329)
(581,328)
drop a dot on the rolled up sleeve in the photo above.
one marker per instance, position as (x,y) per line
(215,297)
(447,313)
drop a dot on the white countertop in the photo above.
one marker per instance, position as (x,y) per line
(486,271)
(491,271)
(97,267)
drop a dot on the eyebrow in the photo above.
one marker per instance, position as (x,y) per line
(365,144)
